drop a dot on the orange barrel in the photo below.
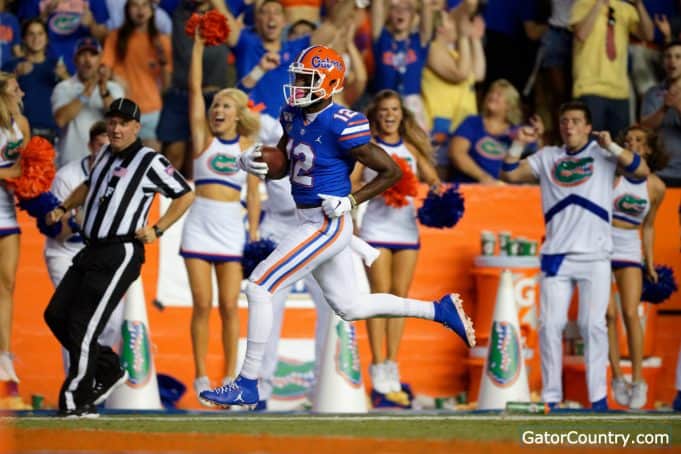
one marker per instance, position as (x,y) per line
(525,270)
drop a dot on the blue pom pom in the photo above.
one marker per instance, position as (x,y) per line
(442,211)
(254,253)
(659,292)
(38,207)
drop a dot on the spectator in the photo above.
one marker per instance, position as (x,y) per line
(456,61)
(577,202)
(394,232)
(10,40)
(355,71)
(300,28)
(480,142)
(635,204)
(117,8)
(14,133)
(213,236)
(173,127)
(599,67)
(401,53)
(263,57)
(556,59)
(661,111)
(140,58)
(81,100)
(509,24)
(67,22)
(308,10)
(37,75)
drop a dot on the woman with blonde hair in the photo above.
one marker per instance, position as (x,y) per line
(479,144)
(635,204)
(14,133)
(213,235)
(393,231)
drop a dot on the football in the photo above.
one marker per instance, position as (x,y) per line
(276,160)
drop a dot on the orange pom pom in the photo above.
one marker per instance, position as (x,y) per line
(192,23)
(407,186)
(214,28)
(37,169)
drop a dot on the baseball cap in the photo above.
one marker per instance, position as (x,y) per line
(125,108)
(88,43)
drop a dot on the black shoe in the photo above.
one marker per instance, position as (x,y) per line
(102,390)
(84,411)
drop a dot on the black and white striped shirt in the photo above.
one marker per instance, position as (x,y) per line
(121,188)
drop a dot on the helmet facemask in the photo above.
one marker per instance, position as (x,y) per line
(304,93)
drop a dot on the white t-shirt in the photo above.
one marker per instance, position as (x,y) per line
(74,136)
(576,194)
(65,181)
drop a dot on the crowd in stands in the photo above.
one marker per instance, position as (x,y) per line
(471,71)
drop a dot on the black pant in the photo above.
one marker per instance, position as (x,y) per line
(80,309)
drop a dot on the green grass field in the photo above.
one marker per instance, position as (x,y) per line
(398,426)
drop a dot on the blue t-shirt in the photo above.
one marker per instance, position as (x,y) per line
(37,87)
(10,35)
(63,26)
(239,7)
(249,50)
(487,150)
(507,16)
(399,64)
(319,151)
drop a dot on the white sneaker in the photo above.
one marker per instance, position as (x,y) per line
(379,378)
(639,394)
(620,389)
(393,376)
(202,384)
(7,372)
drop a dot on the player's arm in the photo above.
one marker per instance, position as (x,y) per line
(513,170)
(375,158)
(628,162)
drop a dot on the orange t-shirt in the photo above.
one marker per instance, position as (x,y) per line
(140,70)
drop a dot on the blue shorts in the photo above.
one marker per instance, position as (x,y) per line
(557,47)
(173,126)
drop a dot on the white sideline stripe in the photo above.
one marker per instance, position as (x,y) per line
(352,129)
(572,418)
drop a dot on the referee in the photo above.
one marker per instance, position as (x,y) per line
(116,198)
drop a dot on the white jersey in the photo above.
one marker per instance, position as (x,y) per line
(576,190)
(386,226)
(631,201)
(218,164)
(10,142)
(68,178)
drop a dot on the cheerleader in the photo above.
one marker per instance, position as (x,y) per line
(393,231)
(213,235)
(14,132)
(635,206)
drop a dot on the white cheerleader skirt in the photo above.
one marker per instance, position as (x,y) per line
(391,228)
(8,213)
(214,231)
(626,248)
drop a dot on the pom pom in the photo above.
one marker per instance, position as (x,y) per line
(214,28)
(38,207)
(254,253)
(192,23)
(659,292)
(396,195)
(37,169)
(442,210)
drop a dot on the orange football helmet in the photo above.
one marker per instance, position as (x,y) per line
(318,73)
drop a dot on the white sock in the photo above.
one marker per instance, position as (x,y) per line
(259,328)
(387,305)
